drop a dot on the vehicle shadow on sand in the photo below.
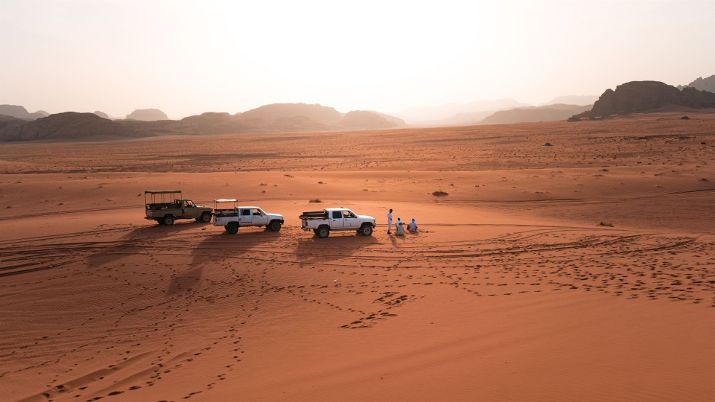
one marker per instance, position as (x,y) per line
(142,239)
(315,250)
(216,247)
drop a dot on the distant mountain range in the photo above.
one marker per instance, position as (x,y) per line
(457,113)
(499,111)
(149,122)
(579,100)
(535,114)
(17,124)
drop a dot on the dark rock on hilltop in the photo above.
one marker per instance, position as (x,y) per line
(147,115)
(66,126)
(646,96)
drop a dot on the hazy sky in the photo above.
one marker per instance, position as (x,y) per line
(187,57)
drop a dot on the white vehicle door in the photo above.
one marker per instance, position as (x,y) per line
(350,220)
(336,220)
(259,217)
(245,218)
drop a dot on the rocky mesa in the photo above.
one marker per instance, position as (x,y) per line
(646,96)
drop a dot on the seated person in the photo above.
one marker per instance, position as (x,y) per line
(412,226)
(400,228)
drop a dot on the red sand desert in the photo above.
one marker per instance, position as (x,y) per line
(581,271)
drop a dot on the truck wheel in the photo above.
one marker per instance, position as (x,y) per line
(232,228)
(168,220)
(205,217)
(323,232)
(274,226)
(366,230)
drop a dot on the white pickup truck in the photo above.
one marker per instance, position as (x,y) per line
(322,222)
(231,217)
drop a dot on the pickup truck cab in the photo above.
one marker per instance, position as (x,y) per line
(166,207)
(329,219)
(232,216)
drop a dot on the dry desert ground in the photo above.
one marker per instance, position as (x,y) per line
(580,271)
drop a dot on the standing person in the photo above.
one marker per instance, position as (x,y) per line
(400,231)
(389,220)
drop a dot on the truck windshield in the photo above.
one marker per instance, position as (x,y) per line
(349,214)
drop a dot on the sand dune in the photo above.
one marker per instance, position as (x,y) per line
(584,270)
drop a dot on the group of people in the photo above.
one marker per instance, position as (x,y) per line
(399,225)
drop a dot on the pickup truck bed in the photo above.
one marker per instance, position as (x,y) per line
(314,215)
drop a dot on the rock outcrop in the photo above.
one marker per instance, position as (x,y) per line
(646,96)
(704,84)
(147,115)
(291,117)
(19,112)
(16,111)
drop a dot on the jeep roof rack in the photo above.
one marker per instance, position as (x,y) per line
(162,192)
